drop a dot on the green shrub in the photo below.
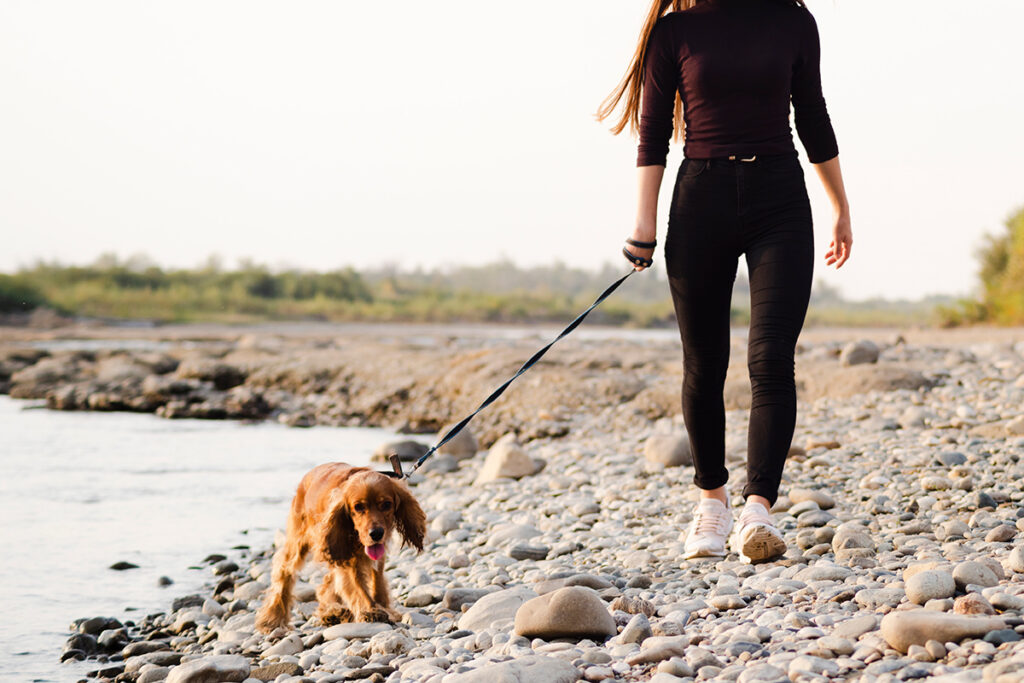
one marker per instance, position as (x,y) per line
(17,295)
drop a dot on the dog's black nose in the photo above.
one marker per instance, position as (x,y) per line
(377,534)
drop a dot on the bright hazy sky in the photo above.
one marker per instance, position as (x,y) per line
(326,134)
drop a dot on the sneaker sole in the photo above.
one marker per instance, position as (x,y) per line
(697,554)
(762,544)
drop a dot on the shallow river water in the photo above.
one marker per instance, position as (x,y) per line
(81,491)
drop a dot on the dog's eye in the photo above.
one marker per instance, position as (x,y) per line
(385,505)
(359,507)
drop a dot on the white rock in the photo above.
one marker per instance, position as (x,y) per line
(353,630)
(216,669)
(289,645)
(529,669)
(506,459)
(496,607)
(931,584)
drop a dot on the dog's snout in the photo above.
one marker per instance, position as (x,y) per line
(377,533)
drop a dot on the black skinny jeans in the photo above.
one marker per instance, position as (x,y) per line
(720,210)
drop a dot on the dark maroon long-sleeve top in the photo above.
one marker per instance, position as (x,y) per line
(737,65)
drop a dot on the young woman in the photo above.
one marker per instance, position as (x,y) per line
(723,74)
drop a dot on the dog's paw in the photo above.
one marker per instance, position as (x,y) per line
(335,615)
(376,614)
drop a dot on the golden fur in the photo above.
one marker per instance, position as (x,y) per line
(342,514)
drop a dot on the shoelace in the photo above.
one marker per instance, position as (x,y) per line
(709,521)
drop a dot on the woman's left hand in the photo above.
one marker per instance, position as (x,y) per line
(842,241)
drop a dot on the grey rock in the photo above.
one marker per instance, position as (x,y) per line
(455,598)
(856,627)
(859,352)
(571,612)
(763,673)
(818,496)
(529,669)
(406,450)
(933,584)
(659,648)
(154,675)
(270,672)
(462,446)
(637,630)
(524,551)
(421,596)
(215,669)
(1001,534)
(1015,560)
(668,450)
(966,573)
(901,629)
(951,458)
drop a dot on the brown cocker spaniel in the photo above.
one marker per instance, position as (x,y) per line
(344,515)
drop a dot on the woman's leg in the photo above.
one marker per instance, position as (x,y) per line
(702,252)
(780,261)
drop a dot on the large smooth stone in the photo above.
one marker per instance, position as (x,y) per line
(463,445)
(822,498)
(859,352)
(932,584)
(355,629)
(571,612)
(668,450)
(507,459)
(495,607)
(530,669)
(407,451)
(216,669)
(967,573)
(902,629)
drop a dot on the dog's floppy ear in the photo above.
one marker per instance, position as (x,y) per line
(338,537)
(410,519)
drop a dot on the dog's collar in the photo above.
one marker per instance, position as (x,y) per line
(396,465)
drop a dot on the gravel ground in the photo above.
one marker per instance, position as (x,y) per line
(902,507)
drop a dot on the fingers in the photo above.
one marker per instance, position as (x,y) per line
(839,249)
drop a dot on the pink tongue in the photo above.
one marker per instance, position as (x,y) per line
(375,551)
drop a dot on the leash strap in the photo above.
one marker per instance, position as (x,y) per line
(450,434)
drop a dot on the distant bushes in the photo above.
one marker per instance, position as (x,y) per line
(18,295)
(498,292)
(112,289)
(1001,271)
(492,293)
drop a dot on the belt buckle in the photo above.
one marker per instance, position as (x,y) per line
(733,157)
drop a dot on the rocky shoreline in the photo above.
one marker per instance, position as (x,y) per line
(554,554)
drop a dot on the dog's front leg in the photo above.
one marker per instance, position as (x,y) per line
(381,593)
(358,588)
(330,609)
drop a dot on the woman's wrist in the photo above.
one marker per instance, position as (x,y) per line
(644,233)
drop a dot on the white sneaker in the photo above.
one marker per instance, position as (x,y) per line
(709,530)
(756,539)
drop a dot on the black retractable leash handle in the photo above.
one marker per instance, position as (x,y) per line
(450,434)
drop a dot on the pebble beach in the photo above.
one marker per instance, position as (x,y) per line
(556,527)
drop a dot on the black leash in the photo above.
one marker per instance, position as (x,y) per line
(450,434)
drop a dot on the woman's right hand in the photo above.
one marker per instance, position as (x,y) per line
(641,235)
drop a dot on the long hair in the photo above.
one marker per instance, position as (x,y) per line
(631,86)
